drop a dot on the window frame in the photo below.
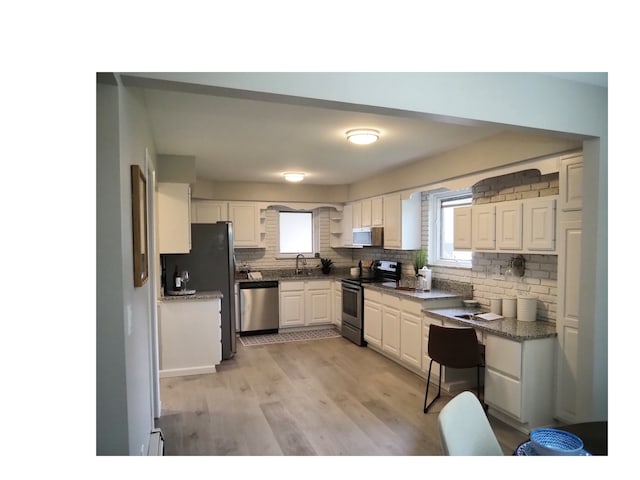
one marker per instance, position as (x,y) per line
(435,223)
(315,234)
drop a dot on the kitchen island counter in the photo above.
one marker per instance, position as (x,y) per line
(205,295)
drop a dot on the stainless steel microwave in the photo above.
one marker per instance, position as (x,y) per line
(368,236)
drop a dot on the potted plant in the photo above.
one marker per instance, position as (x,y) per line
(326,265)
(419,259)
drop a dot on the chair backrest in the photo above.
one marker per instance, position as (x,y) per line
(454,347)
(465,429)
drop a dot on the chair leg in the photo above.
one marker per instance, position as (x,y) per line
(426,407)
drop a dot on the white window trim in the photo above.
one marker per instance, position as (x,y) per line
(435,199)
(315,219)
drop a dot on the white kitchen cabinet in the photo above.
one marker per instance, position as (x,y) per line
(509,226)
(571,172)
(292,309)
(189,336)
(411,333)
(540,224)
(347,225)
(305,302)
(336,239)
(402,221)
(247,225)
(391,325)
(356,215)
(337,303)
(462,228)
(484,227)
(174,218)
(377,212)
(426,359)
(373,317)
(209,211)
(519,381)
(365,212)
(568,300)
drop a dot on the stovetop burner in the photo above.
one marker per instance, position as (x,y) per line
(382,271)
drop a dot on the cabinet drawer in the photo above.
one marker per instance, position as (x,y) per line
(372,295)
(503,355)
(318,285)
(291,286)
(391,301)
(411,306)
(503,392)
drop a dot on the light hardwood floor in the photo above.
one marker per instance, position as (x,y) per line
(320,397)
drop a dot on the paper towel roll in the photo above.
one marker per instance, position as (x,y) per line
(509,307)
(526,308)
(496,306)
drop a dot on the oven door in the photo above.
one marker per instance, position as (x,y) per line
(352,305)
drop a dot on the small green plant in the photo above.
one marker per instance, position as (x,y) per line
(419,259)
(326,264)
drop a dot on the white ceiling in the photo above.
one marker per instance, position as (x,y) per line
(248,140)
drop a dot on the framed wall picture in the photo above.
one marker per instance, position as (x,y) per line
(140,236)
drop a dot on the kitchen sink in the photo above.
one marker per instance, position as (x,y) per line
(468,316)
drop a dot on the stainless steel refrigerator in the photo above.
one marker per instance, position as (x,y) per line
(211,266)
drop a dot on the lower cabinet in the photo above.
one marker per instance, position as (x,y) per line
(305,302)
(189,336)
(410,333)
(373,317)
(519,381)
(391,325)
(337,303)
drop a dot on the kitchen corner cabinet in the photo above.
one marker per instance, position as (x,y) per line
(540,225)
(174,218)
(336,238)
(189,336)
(209,211)
(402,221)
(518,381)
(247,225)
(305,302)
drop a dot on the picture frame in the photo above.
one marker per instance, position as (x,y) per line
(139,221)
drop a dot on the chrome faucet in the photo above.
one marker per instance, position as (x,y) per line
(304,262)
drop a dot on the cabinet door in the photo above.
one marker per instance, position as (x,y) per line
(540,224)
(337,303)
(411,339)
(391,330)
(208,211)
(377,213)
(373,323)
(503,392)
(392,221)
(174,222)
(483,226)
(318,305)
(571,172)
(366,219)
(462,228)
(292,309)
(356,212)
(246,224)
(509,226)
(347,225)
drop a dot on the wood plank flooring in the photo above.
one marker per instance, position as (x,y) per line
(319,397)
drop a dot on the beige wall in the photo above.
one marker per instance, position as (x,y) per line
(268,192)
(176,168)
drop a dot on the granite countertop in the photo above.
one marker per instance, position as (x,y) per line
(509,327)
(312,274)
(204,295)
(390,287)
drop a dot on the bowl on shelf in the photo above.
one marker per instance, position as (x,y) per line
(550,441)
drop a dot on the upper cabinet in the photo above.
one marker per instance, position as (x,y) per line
(356,215)
(174,222)
(462,228)
(571,183)
(371,212)
(209,211)
(527,226)
(248,225)
(402,221)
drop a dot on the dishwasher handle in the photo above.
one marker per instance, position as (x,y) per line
(259,284)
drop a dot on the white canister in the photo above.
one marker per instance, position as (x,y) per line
(496,306)
(509,307)
(526,308)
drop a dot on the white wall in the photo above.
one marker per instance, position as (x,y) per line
(124,389)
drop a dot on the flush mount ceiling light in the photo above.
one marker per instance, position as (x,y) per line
(363,136)
(294,177)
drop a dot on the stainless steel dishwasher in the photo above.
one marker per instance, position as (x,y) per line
(259,307)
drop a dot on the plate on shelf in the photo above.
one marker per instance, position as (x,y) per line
(526,450)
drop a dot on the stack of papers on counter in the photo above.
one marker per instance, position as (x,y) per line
(489,316)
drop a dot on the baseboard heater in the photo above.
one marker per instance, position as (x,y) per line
(156,443)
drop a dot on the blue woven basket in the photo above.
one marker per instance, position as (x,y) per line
(549,441)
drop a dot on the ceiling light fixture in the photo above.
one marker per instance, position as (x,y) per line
(362,136)
(294,177)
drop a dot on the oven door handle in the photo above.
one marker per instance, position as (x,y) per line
(351,289)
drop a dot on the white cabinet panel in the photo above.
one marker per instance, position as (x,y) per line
(292,309)
(373,322)
(305,302)
(402,221)
(509,226)
(356,215)
(209,211)
(484,227)
(390,330)
(504,355)
(571,172)
(318,305)
(503,392)
(411,339)
(462,228)
(246,224)
(377,212)
(540,224)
